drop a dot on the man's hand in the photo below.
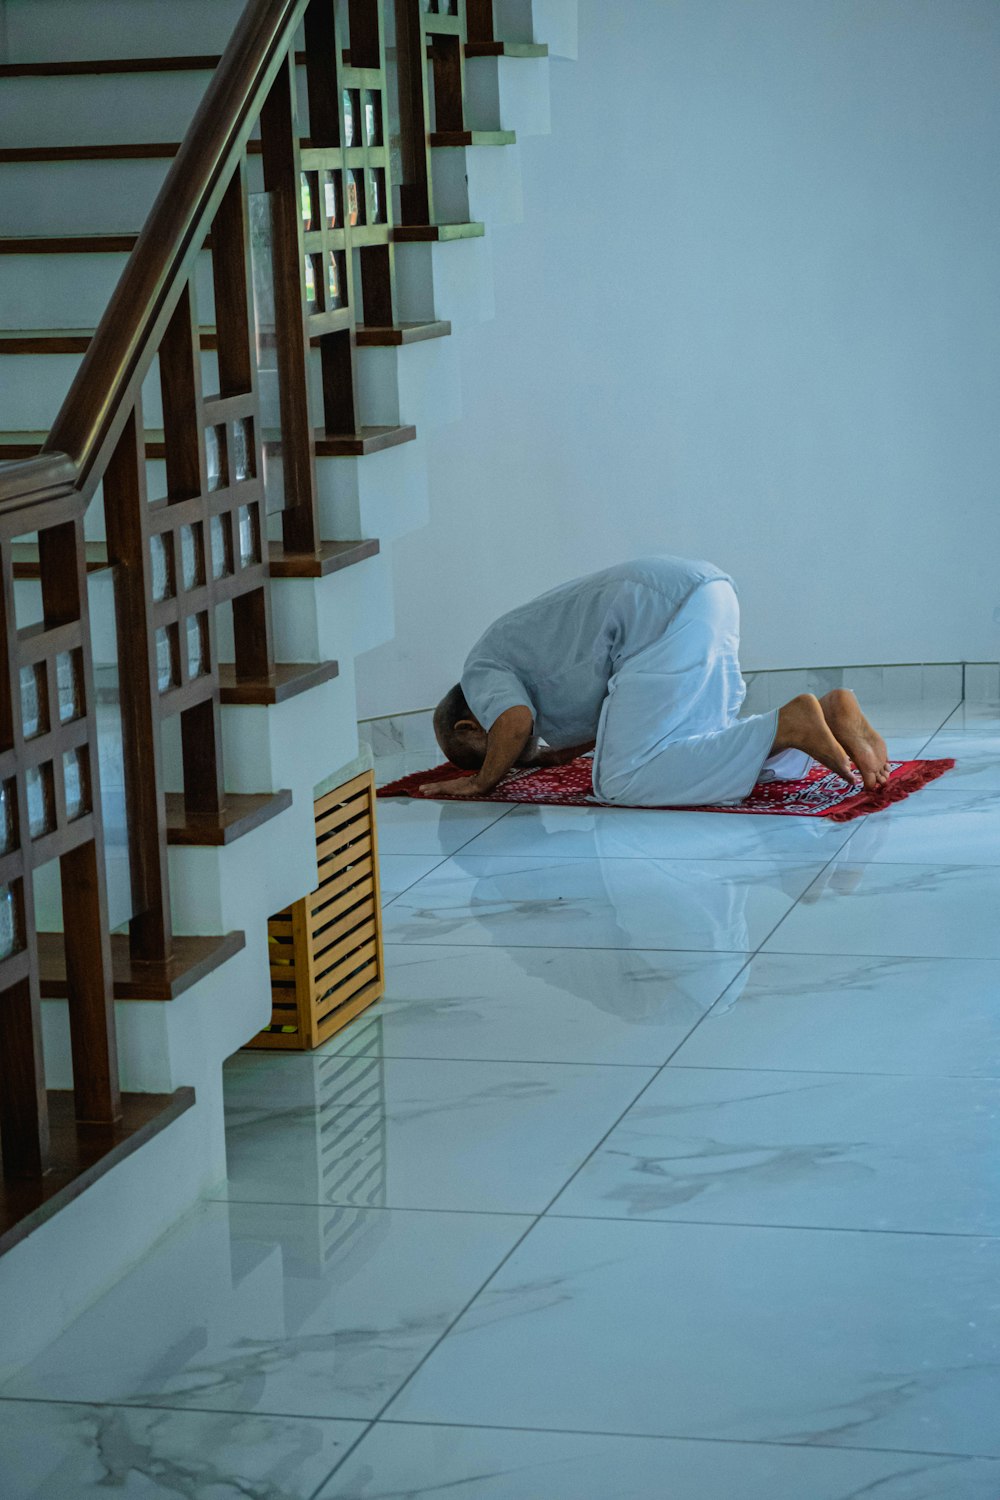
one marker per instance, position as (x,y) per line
(462,786)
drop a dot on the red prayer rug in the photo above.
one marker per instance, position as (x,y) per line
(821,794)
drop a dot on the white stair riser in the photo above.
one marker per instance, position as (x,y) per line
(383,495)
(56,291)
(66,30)
(78,197)
(508,93)
(477,182)
(551,21)
(494,185)
(295,743)
(452,280)
(417,384)
(35,386)
(97,109)
(336,617)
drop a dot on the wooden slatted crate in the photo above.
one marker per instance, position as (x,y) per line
(326,950)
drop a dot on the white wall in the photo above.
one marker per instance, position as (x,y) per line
(753,313)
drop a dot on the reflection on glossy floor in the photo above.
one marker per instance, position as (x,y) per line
(666,1170)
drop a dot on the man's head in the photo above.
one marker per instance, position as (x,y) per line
(459,733)
(463,739)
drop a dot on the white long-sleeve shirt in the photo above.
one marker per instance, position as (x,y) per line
(557,653)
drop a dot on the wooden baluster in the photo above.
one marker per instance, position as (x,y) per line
(415,196)
(449,83)
(236,330)
(364,22)
(187,478)
(378,285)
(24,1115)
(24,1120)
(280,143)
(480,20)
(323,55)
(231,280)
(62,563)
(378,269)
(126,506)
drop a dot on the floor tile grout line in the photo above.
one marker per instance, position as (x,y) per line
(542,1062)
(453,1323)
(396,894)
(370,1422)
(700,1021)
(375,1208)
(720,1067)
(806,857)
(317,1492)
(979,1235)
(687,1438)
(443,861)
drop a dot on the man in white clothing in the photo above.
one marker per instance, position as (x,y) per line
(639,663)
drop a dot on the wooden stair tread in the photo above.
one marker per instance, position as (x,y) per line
(182,63)
(24,556)
(80,1155)
(68,244)
(331,557)
(112,151)
(77,340)
(405,234)
(401,333)
(192,959)
(118,151)
(66,340)
(506,49)
(18,445)
(448,138)
(284,682)
(241,814)
(207,62)
(179,63)
(365,440)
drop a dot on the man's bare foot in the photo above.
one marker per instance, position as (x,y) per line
(865,747)
(802,725)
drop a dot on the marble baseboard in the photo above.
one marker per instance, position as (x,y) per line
(397,734)
(976,682)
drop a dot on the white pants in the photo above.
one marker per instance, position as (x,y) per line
(669,733)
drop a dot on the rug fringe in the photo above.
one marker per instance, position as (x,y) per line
(909,778)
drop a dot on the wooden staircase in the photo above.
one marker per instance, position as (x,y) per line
(177,501)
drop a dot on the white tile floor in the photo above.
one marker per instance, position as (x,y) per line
(666,1170)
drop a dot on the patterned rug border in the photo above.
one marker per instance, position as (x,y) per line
(821,794)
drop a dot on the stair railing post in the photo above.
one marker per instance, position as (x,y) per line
(282,181)
(415,196)
(24,1120)
(236,335)
(78,825)
(330,120)
(126,510)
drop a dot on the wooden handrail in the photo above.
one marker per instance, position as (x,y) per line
(99,402)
